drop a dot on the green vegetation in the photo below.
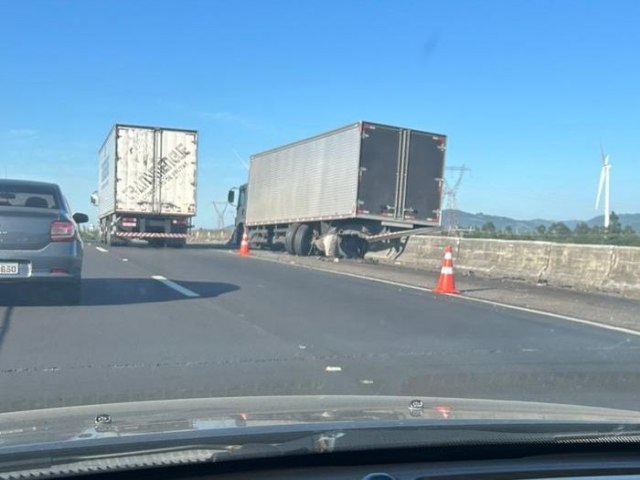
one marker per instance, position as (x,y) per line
(89,235)
(616,234)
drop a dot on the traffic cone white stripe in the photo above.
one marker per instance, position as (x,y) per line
(447,271)
(448,256)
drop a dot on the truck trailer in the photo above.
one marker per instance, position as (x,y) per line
(340,191)
(147,185)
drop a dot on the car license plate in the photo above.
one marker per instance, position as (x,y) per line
(9,268)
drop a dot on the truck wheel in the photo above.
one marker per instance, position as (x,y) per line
(236,238)
(109,239)
(353,247)
(113,241)
(289,237)
(302,240)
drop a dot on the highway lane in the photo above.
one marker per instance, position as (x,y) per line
(229,325)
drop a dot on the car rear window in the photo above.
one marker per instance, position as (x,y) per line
(33,196)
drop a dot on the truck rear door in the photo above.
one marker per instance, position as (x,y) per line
(379,155)
(176,172)
(136,179)
(424,171)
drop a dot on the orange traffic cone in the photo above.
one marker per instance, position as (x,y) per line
(446,283)
(244,244)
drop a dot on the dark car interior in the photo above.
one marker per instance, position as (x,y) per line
(36,202)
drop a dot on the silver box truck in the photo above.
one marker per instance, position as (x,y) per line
(147,185)
(341,190)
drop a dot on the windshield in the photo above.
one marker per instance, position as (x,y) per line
(335,209)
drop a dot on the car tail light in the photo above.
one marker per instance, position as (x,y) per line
(62,231)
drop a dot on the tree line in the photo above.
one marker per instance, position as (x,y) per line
(616,234)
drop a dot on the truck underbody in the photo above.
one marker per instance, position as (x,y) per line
(159,230)
(346,238)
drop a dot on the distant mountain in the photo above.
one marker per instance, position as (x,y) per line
(631,219)
(477,220)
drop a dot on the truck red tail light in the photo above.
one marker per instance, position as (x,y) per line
(62,231)
(129,221)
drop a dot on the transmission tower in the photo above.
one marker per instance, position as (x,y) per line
(221,210)
(451,198)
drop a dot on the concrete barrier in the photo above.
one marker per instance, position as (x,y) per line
(603,268)
(624,272)
(209,236)
(502,258)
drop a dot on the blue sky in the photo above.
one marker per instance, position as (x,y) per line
(526,90)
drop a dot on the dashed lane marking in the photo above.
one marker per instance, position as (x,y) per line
(103,250)
(178,288)
(333,369)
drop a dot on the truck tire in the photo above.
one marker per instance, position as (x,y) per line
(289,238)
(176,243)
(110,240)
(353,247)
(236,238)
(302,240)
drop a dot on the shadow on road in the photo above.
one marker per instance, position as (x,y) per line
(188,246)
(111,291)
(211,246)
(471,290)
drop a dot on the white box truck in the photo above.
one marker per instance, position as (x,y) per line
(342,190)
(146,185)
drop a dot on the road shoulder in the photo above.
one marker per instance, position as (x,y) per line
(609,310)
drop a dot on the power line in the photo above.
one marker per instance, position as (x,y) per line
(221,209)
(452,221)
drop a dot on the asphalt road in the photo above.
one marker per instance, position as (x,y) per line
(235,326)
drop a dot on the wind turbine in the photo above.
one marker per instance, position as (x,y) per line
(604,184)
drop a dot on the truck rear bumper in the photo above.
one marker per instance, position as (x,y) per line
(152,235)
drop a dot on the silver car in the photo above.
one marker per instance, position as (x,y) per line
(39,238)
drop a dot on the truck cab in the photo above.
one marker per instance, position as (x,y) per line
(241,211)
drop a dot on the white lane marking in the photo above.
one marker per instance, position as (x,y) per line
(366,382)
(103,250)
(628,331)
(178,288)
(333,369)
(125,259)
(302,347)
(464,297)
